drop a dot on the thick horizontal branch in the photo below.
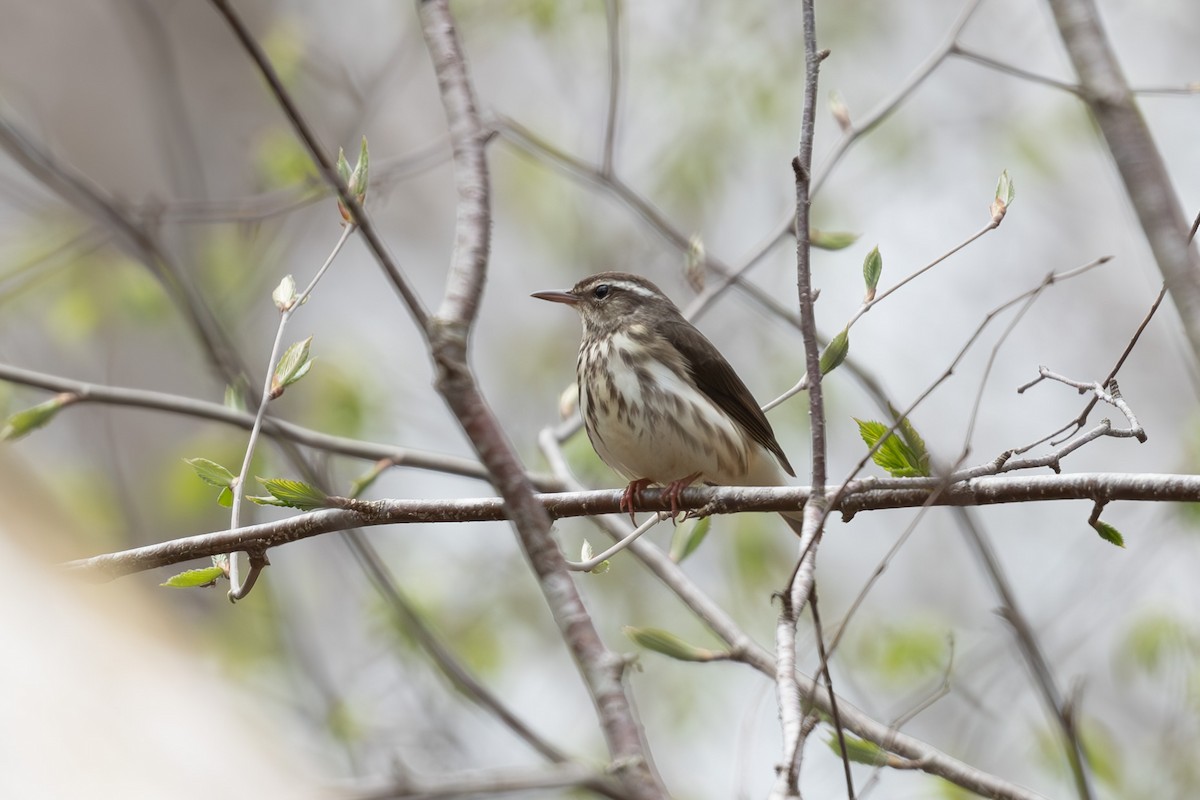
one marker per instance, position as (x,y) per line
(864,495)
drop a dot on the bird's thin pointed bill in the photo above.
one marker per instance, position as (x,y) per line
(557,297)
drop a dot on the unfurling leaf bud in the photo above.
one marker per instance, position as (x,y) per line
(285,293)
(194,577)
(860,751)
(587,554)
(293,366)
(291,494)
(25,422)
(841,114)
(831,240)
(343,166)
(835,352)
(216,475)
(872,269)
(356,180)
(1005,192)
(211,472)
(669,644)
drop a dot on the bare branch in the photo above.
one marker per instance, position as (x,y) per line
(276,428)
(324,163)
(800,587)
(91,201)
(1031,651)
(601,669)
(612,25)
(1147,182)
(457,673)
(907,752)
(862,495)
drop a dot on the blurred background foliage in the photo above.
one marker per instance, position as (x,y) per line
(154,105)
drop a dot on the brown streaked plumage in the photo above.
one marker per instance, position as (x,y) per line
(660,404)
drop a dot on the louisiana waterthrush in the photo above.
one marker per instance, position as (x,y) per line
(660,404)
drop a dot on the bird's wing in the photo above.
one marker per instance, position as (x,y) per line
(716,378)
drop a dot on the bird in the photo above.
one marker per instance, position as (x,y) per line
(660,404)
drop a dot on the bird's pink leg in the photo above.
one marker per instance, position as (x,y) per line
(675,488)
(633,496)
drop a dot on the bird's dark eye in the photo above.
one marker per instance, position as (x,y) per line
(601,291)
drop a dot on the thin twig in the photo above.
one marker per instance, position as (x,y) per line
(1009,69)
(91,201)
(612,25)
(907,752)
(86,392)
(279,202)
(1077,424)
(324,163)
(802,384)
(456,672)
(1027,642)
(590,564)
(823,669)
(949,371)
(237,590)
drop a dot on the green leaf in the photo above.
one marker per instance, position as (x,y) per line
(194,577)
(835,352)
(25,422)
(668,644)
(1108,533)
(292,366)
(290,493)
(211,472)
(688,537)
(859,751)
(872,269)
(916,444)
(894,455)
(225,498)
(831,240)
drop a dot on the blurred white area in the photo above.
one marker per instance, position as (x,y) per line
(107,696)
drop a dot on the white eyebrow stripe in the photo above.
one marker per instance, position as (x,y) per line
(635,288)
